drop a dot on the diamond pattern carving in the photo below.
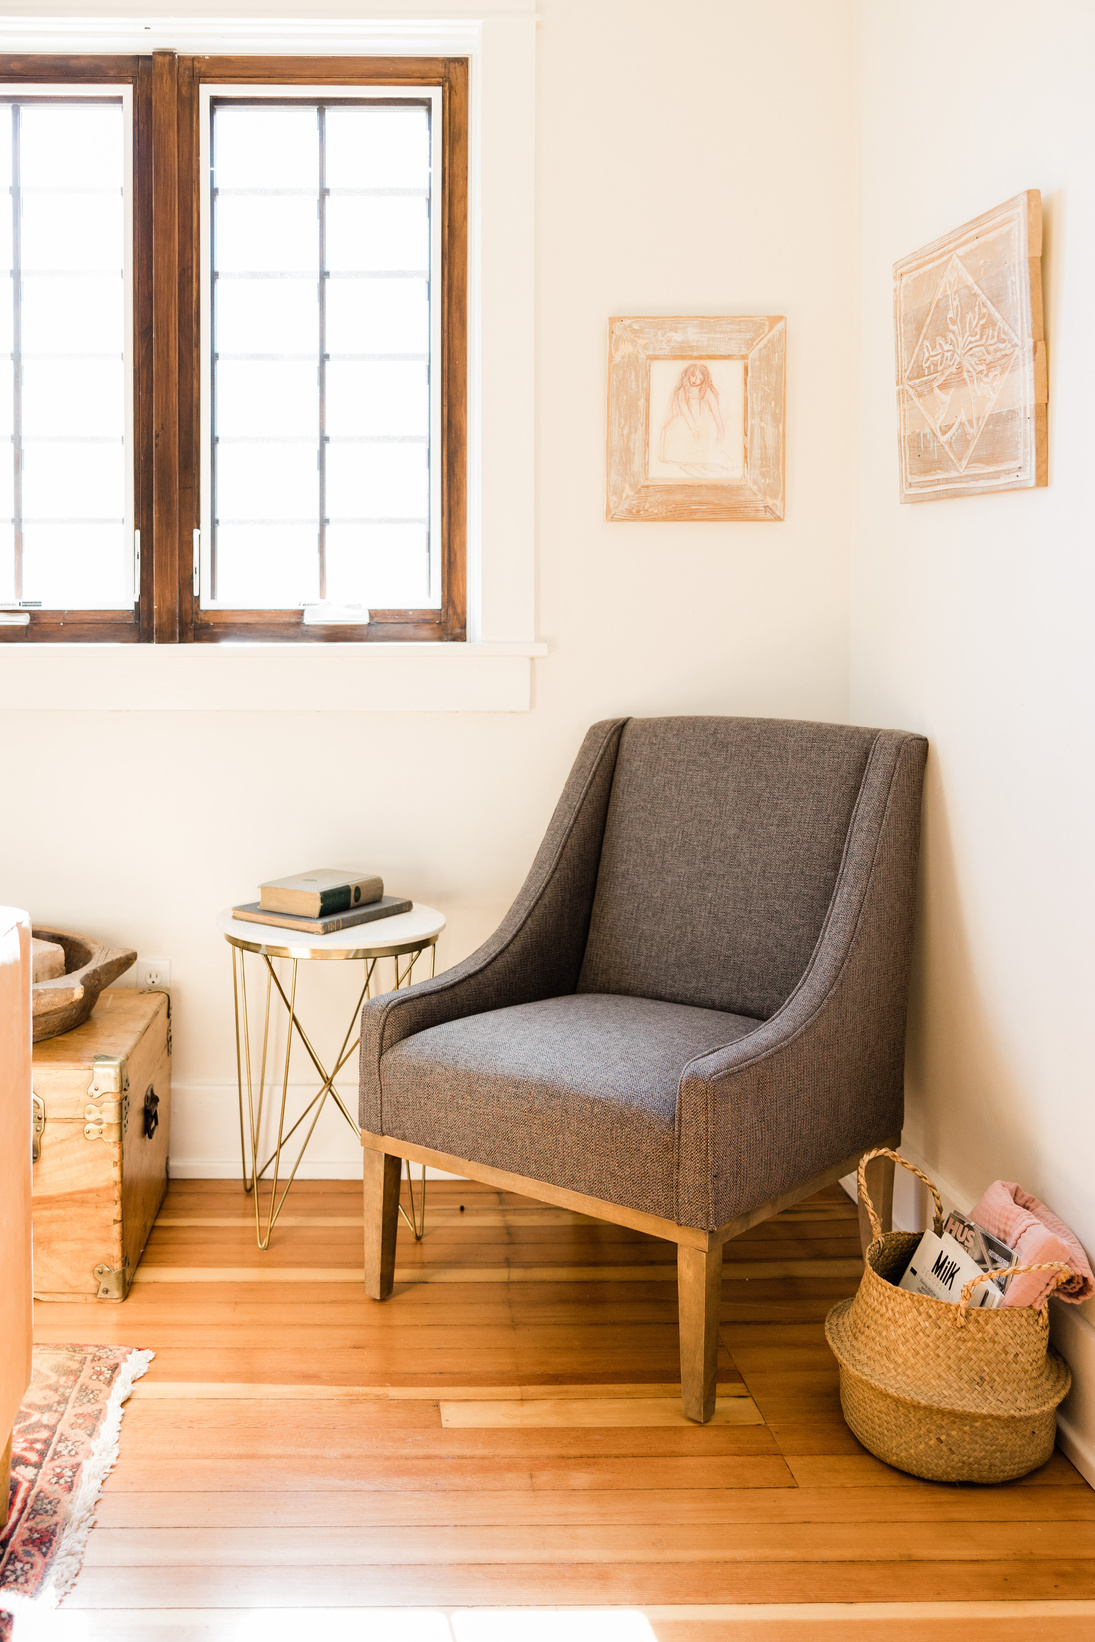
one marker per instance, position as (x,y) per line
(971,360)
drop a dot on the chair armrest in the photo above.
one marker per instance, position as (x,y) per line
(825,1075)
(536,951)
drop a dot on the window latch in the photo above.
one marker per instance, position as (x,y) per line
(136,567)
(197,562)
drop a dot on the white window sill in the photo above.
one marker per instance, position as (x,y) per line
(493,677)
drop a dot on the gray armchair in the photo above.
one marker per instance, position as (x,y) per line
(693,1014)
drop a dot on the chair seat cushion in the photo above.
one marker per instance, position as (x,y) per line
(580,1090)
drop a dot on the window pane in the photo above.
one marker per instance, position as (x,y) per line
(378,148)
(376,232)
(7,562)
(377,482)
(259,566)
(260,398)
(321,410)
(71,147)
(8,580)
(65,481)
(73,315)
(7,407)
(378,316)
(65,232)
(385,566)
(267,316)
(378,398)
(267,147)
(261,233)
(67,566)
(83,397)
(7,487)
(274,482)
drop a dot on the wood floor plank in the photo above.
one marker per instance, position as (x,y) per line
(489,1506)
(227,1391)
(471,1240)
(157,1270)
(864,1471)
(765,1543)
(877,1622)
(591,1584)
(819,1433)
(287,1450)
(372,1332)
(595,1412)
(412,1430)
(204,1475)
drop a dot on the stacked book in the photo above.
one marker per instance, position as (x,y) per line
(321,901)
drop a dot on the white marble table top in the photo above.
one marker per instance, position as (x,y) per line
(383,938)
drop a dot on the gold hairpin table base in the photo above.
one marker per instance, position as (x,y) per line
(402,939)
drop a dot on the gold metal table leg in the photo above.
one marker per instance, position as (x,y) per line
(416,1220)
(251,1132)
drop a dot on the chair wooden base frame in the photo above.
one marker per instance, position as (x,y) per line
(699,1253)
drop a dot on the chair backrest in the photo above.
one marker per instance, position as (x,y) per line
(722,844)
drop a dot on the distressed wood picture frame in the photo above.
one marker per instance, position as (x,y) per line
(696,418)
(971,358)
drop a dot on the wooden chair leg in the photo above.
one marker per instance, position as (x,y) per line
(699,1291)
(880,1176)
(382,1176)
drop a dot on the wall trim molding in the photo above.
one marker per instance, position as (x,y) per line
(271,678)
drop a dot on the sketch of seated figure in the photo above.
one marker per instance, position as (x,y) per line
(693,435)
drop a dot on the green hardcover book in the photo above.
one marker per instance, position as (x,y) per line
(322,891)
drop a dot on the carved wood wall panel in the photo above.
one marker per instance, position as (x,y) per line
(971,358)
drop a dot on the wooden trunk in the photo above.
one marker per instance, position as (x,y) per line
(15,1308)
(102,1101)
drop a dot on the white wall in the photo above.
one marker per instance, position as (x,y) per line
(698,163)
(703,158)
(972,618)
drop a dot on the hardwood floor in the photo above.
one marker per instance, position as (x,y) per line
(505,1431)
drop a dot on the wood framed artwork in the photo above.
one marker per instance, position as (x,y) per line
(696,418)
(971,358)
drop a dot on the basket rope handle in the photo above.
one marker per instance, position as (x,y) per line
(1063,1274)
(865,1196)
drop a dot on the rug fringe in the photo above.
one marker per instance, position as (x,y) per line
(69,1556)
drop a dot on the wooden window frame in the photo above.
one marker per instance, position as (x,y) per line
(168,346)
(129,626)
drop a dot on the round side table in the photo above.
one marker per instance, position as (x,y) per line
(405,937)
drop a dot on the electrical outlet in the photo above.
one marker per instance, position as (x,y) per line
(153,972)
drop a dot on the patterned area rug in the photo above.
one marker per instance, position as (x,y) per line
(64,1446)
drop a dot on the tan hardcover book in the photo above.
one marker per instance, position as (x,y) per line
(319,893)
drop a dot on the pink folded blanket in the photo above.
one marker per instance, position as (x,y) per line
(1037,1236)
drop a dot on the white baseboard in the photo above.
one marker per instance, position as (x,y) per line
(1071,1328)
(205,1134)
(214,1168)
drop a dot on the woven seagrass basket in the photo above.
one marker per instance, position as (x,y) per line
(946,1392)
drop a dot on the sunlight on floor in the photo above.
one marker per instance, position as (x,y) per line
(550,1625)
(356,1625)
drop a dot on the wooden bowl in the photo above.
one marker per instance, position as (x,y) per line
(68,1000)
